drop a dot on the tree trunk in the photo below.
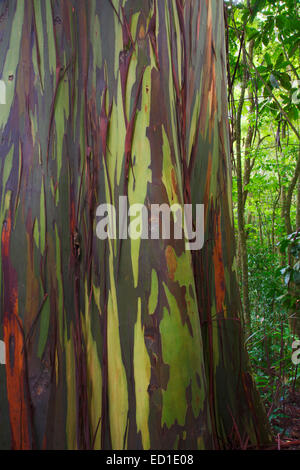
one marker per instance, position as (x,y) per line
(289,196)
(241,202)
(298,206)
(119,343)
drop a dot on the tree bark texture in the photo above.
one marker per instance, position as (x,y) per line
(132,344)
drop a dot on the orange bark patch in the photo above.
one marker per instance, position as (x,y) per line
(6,236)
(212,99)
(219,267)
(142,32)
(72,217)
(15,376)
(14,349)
(198,23)
(207,183)
(171,261)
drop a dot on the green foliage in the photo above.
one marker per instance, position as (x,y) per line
(291,272)
(264,281)
(270,353)
(264,45)
(270,344)
(274,27)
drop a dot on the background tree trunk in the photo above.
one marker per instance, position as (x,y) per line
(132,344)
(242,238)
(298,205)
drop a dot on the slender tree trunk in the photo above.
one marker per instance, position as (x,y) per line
(249,138)
(288,198)
(240,203)
(119,343)
(298,205)
(283,257)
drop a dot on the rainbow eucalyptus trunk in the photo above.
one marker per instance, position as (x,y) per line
(114,344)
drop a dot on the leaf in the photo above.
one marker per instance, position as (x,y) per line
(268,59)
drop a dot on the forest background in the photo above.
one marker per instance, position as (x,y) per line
(263,45)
